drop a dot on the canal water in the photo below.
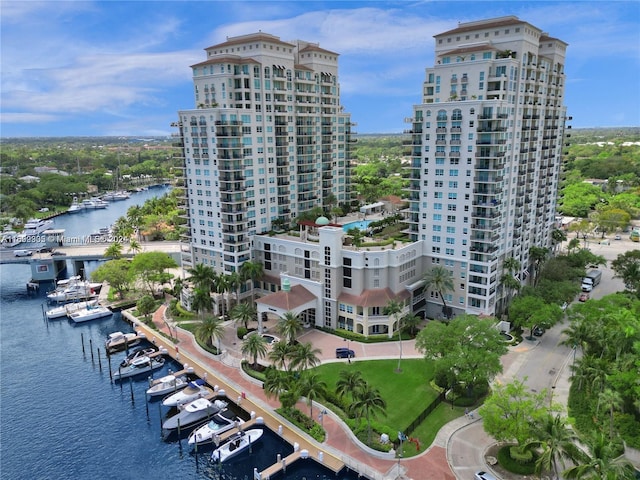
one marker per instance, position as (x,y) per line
(62,418)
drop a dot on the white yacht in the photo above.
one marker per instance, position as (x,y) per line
(75,207)
(196,389)
(90,313)
(117,341)
(65,310)
(166,384)
(10,238)
(236,444)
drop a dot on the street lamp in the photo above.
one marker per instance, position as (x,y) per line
(348,349)
(321,417)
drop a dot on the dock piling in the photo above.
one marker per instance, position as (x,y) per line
(99,361)
(82,341)
(131,390)
(91,349)
(110,374)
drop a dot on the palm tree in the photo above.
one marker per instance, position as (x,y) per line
(201,302)
(368,402)
(439,279)
(113,251)
(223,286)
(276,384)
(243,313)
(538,255)
(558,236)
(411,321)
(252,271)
(557,442)
(303,356)
(350,382)
(254,346)
(209,331)
(203,276)
(600,461)
(235,283)
(393,309)
(508,279)
(611,400)
(289,326)
(573,244)
(279,354)
(312,388)
(134,246)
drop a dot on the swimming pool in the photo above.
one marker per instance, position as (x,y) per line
(361,224)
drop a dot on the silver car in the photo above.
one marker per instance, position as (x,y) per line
(482,475)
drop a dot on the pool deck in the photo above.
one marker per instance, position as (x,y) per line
(340,448)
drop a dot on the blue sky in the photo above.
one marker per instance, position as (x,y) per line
(122,68)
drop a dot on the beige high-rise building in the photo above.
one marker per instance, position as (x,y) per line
(486,148)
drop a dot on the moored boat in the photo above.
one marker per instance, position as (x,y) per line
(195,389)
(74,289)
(34,227)
(136,353)
(140,365)
(90,313)
(192,413)
(236,444)
(118,341)
(65,310)
(219,423)
(167,384)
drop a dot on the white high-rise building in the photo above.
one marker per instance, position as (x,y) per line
(486,146)
(266,141)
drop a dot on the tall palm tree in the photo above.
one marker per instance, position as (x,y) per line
(254,346)
(558,236)
(276,384)
(243,313)
(600,461)
(411,321)
(201,302)
(252,270)
(538,255)
(368,402)
(557,442)
(235,283)
(303,356)
(210,331)
(134,246)
(611,400)
(312,388)
(203,276)
(439,279)
(289,326)
(223,286)
(279,354)
(394,308)
(508,279)
(350,382)
(113,251)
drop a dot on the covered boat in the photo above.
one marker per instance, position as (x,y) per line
(140,365)
(136,353)
(236,444)
(192,413)
(221,422)
(118,341)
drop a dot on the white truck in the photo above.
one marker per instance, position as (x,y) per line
(591,279)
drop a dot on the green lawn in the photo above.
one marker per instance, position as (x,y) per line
(406,393)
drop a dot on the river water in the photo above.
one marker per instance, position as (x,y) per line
(62,418)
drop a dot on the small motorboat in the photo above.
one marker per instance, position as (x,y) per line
(167,384)
(73,289)
(192,413)
(221,422)
(195,389)
(236,444)
(118,341)
(140,365)
(65,310)
(90,313)
(136,353)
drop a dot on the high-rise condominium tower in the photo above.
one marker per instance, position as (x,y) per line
(486,146)
(266,141)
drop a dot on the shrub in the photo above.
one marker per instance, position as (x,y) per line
(241,332)
(628,427)
(506,462)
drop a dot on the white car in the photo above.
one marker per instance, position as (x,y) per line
(482,475)
(23,253)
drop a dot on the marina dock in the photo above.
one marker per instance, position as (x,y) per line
(209,371)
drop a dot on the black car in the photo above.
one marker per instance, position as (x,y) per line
(344,353)
(45,250)
(538,331)
(58,254)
